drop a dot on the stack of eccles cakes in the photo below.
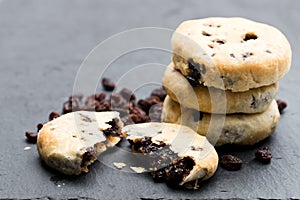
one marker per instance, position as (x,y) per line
(224,78)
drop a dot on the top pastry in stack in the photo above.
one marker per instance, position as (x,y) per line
(224,78)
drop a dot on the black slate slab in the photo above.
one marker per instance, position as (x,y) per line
(43,43)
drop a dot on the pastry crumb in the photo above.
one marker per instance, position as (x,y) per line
(27,148)
(119,165)
(194,185)
(138,170)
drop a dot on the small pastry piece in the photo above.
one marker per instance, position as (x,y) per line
(177,154)
(240,129)
(230,53)
(73,141)
(213,100)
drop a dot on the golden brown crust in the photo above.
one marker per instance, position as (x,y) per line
(213,100)
(63,141)
(241,129)
(238,54)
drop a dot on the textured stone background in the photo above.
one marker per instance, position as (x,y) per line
(43,43)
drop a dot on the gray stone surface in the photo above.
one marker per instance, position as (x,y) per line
(43,43)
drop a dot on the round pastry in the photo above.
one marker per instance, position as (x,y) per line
(230,53)
(241,129)
(213,100)
(178,155)
(73,141)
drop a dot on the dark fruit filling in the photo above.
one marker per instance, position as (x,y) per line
(87,157)
(114,130)
(254,102)
(195,71)
(178,170)
(166,165)
(194,74)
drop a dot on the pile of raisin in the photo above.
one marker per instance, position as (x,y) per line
(131,111)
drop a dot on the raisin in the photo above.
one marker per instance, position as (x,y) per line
(39,127)
(137,110)
(103,106)
(145,104)
(281,105)
(53,115)
(31,137)
(108,84)
(231,163)
(153,100)
(117,101)
(160,93)
(138,115)
(127,94)
(138,118)
(91,105)
(71,105)
(78,96)
(90,100)
(263,155)
(100,97)
(156,112)
(96,102)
